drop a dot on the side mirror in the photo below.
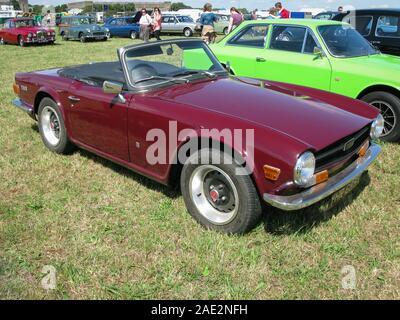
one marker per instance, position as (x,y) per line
(228,67)
(114,88)
(318,52)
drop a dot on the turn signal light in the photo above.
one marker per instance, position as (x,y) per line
(271,173)
(363,149)
(321,176)
(16,89)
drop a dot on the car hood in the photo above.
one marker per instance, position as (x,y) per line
(93,27)
(305,119)
(34,29)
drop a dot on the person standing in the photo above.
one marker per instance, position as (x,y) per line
(283,13)
(207,20)
(273,13)
(145,25)
(235,19)
(157,22)
(46,21)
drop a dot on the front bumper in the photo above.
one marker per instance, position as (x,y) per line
(40,40)
(24,107)
(323,190)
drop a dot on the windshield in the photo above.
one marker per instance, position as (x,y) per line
(83,20)
(170,62)
(26,23)
(344,41)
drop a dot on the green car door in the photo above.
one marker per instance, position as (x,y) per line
(245,49)
(290,57)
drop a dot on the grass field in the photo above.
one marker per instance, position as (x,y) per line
(110,233)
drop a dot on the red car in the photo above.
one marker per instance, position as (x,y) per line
(229,142)
(23,31)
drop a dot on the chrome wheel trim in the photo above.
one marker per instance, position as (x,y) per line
(21,42)
(133,35)
(50,124)
(198,194)
(388,115)
(1,41)
(187,33)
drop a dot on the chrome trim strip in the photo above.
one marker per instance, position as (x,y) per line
(323,190)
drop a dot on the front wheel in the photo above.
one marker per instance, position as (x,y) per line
(21,41)
(216,196)
(225,31)
(52,127)
(2,42)
(187,32)
(82,38)
(389,106)
(133,35)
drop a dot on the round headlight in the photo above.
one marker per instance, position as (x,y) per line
(88,30)
(377,127)
(304,169)
(106,30)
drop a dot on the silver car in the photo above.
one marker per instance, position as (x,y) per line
(178,24)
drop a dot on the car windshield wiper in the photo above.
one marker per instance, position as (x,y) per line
(192,72)
(172,79)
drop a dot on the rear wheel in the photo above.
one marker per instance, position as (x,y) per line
(52,127)
(216,196)
(389,106)
(187,32)
(133,35)
(225,31)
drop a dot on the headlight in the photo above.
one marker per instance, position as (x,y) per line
(106,29)
(30,35)
(88,30)
(53,33)
(304,169)
(377,127)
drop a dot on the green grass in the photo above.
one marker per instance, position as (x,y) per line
(113,234)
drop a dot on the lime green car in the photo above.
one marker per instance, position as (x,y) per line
(326,55)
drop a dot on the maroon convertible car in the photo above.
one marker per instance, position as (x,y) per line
(171,112)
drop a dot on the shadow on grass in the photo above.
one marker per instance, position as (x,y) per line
(144,181)
(281,222)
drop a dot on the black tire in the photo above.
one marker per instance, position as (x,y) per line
(187,32)
(82,37)
(64,146)
(133,34)
(247,210)
(389,104)
(225,31)
(21,41)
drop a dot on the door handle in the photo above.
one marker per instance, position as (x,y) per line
(74,99)
(259,59)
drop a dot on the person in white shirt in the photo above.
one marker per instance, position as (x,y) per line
(145,25)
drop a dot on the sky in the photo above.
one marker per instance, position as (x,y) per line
(265,4)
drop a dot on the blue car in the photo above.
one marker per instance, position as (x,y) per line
(123,27)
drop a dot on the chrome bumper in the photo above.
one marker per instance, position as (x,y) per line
(24,107)
(323,190)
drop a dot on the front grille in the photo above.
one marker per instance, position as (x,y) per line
(341,149)
(98,33)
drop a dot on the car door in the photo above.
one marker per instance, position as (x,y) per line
(166,24)
(5,32)
(290,58)
(98,119)
(244,48)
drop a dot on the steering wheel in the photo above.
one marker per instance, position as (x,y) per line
(143,70)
